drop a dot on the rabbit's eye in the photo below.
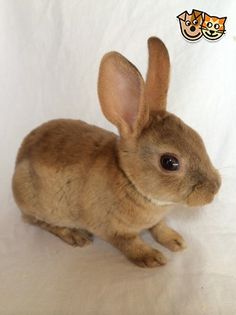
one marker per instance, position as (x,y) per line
(169,162)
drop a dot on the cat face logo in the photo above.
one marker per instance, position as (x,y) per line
(213,27)
(190,24)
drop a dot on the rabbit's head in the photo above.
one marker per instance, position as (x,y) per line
(163,158)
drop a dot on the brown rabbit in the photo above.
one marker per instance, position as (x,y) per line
(76,180)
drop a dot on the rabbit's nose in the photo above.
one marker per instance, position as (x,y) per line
(214,187)
(215,184)
(218,183)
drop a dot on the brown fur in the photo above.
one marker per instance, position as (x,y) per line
(72,177)
(158,73)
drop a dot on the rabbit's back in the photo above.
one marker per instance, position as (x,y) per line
(64,142)
(53,165)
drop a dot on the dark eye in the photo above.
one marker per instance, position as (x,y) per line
(209,24)
(187,23)
(195,22)
(169,162)
(217,26)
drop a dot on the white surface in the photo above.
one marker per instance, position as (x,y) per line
(49,57)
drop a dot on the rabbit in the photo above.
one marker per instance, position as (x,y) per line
(76,180)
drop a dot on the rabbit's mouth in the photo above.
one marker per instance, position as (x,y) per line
(204,191)
(200,196)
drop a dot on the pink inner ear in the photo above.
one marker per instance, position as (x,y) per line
(130,117)
(128,93)
(121,93)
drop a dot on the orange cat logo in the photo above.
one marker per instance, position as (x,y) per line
(197,24)
(213,27)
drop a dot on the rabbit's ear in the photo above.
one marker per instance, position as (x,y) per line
(121,94)
(157,80)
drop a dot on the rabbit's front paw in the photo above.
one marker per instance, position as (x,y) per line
(175,243)
(168,237)
(150,259)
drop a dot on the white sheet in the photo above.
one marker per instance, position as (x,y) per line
(49,57)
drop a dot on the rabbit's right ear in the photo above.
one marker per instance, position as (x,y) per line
(157,81)
(121,94)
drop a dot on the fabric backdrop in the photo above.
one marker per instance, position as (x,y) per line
(49,57)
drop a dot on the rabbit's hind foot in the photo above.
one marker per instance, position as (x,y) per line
(74,237)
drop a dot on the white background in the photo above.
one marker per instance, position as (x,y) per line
(49,57)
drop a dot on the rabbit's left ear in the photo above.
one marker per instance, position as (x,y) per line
(157,81)
(121,94)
